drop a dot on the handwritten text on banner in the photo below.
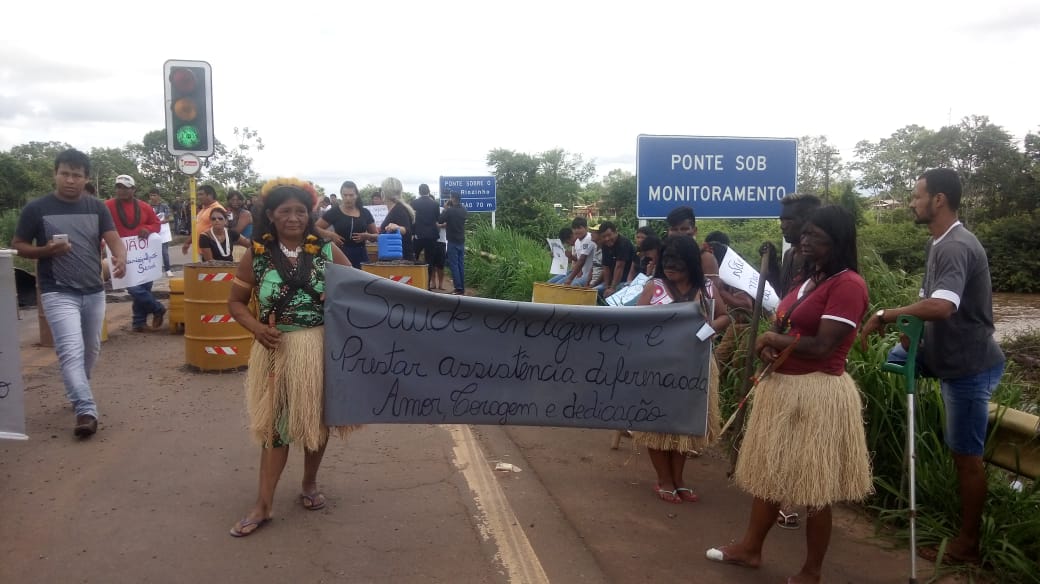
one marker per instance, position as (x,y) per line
(397,354)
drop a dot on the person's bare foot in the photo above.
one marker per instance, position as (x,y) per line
(803,578)
(734,554)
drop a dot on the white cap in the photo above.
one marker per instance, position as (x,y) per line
(125,180)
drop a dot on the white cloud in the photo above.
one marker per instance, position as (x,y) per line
(415,91)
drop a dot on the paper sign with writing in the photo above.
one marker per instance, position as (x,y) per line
(559,257)
(378,213)
(738,273)
(12,404)
(143,261)
(397,354)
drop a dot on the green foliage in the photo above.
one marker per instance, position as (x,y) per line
(1011,244)
(746,235)
(503,263)
(901,246)
(528,185)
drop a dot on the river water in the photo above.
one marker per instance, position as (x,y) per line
(1014,314)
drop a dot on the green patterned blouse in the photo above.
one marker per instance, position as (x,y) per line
(304,309)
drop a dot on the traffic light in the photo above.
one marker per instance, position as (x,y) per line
(189,107)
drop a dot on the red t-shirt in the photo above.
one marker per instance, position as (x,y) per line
(842,298)
(148,218)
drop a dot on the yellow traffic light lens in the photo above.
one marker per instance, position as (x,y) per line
(185,109)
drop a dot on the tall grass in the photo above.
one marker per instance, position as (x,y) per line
(1011,523)
(502,263)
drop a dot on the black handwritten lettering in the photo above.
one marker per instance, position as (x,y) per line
(602,374)
(560,327)
(644,411)
(400,316)
(393,365)
(464,404)
(520,369)
(401,406)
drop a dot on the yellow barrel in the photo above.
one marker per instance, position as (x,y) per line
(411,274)
(546,293)
(176,312)
(1016,443)
(213,340)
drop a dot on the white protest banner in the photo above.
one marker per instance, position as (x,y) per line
(378,213)
(628,295)
(397,354)
(559,257)
(739,274)
(164,230)
(143,261)
(12,397)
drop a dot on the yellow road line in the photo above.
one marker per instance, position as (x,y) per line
(499,522)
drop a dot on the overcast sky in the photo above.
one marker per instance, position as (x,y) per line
(419,90)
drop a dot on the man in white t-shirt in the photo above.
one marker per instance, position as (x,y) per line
(581,269)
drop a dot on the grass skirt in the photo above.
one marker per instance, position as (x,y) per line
(682,442)
(285,398)
(805,443)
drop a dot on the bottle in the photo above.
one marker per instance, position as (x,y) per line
(390,246)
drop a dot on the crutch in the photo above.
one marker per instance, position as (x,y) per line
(912,327)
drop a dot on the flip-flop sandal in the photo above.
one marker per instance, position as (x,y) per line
(248,526)
(717,555)
(787,520)
(667,496)
(687,495)
(312,502)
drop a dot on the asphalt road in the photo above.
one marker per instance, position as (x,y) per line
(151,497)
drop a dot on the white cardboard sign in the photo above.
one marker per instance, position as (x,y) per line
(143,261)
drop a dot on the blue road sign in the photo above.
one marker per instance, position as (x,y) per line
(477,193)
(720,177)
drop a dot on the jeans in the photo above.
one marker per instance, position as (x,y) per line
(144,303)
(967,410)
(166,257)
(966,400)
(75,321)
(456,262)
(580,281)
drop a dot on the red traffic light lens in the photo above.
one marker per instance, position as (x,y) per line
(182,80)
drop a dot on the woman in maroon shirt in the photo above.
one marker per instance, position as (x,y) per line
(805,443)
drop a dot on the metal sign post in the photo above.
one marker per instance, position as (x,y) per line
(190,165)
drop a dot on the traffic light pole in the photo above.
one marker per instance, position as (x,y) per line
(194,221)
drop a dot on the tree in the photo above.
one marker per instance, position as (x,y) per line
(820,167)
(891,165)
(15,183)
(620,192)
(232,166)
(37,160)
(529,185)
(157,165)
(108,163)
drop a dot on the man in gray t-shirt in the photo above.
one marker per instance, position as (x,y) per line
(958,347)
(63,232)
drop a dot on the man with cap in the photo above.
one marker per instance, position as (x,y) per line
(134,218)
(63,232)
(427,211)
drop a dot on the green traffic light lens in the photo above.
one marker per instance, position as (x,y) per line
(188,137)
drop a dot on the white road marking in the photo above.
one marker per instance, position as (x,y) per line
(498,522)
